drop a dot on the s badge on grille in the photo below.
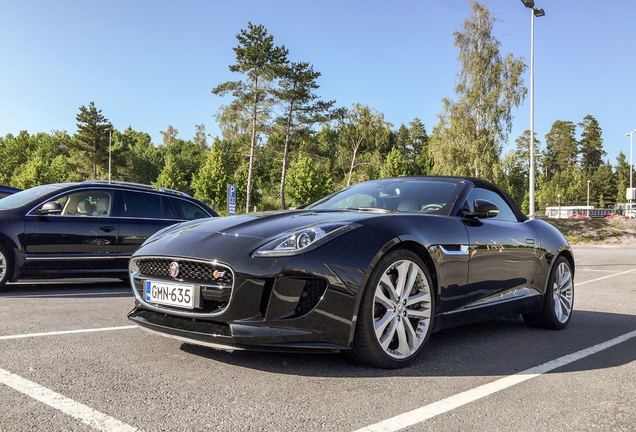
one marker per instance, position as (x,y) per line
(174,269)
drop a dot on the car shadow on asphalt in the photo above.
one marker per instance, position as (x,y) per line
(495,348)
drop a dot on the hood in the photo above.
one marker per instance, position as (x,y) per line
(268,224)
(194,238)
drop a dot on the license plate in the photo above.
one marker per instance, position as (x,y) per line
(170,294)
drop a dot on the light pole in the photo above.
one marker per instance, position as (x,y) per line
(110,134)
(631,167)
(538,13)
(588,197)
(559,198)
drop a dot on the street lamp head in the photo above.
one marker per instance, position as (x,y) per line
(528,3)
(539,12)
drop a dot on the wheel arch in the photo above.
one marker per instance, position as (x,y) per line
(421,251)
(567,254)
(410,245)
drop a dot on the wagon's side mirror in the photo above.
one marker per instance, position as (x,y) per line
(482,209)
(51,207)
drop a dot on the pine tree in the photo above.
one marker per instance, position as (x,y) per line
(260,61)
(591,144)
(90,143)
(561,152)
(302,109)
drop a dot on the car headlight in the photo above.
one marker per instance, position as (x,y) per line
(303,240)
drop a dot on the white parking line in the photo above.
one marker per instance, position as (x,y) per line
(81,412)
(66,332)
(429,411)
(604,277)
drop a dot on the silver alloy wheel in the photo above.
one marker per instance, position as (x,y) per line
(562,292)
(402,309)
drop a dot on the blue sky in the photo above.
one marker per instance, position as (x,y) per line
(149,64)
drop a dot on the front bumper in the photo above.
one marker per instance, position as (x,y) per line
(304,302)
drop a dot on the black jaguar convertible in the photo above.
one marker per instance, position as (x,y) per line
(372,269)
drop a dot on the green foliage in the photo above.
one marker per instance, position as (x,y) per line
(561,152)
(137,159)
(468,138)
(516,167)
(591,145)
(39,170)
(622,176)
(570,184)
(172,177)
(90,144)
(418,137)
(602,184)
(210,183)
(363,132)
(395,165)
(14,152)
(306,181)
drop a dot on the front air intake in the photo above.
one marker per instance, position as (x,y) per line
(310,296)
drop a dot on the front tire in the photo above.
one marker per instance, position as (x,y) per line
(396,312)
(5,266)
(558,302)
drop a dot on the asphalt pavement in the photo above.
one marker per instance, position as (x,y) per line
(71,361)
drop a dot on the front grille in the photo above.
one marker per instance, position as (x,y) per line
(189,271)
(213,281)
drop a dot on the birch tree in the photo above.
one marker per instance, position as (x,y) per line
(469,136)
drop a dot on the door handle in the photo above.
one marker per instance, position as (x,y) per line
(107,228)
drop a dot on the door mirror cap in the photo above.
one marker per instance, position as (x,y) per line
(482,209)
(51,207)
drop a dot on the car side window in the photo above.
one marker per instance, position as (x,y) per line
(142,205)
(148,206)
(505,212)
(87,203)
(190,211)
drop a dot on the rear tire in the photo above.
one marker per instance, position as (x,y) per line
(5,266)
(396,312)
(558,302)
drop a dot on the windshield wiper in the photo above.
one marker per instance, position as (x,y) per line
(372,209)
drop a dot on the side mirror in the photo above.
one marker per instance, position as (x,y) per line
(50,208)
(482,209)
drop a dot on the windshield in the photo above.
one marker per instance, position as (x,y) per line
(422,195)
(24,197)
